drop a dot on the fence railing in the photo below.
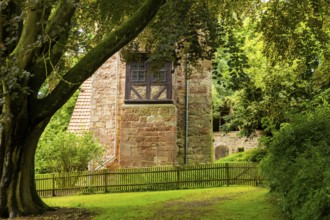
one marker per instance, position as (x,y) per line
(147,179)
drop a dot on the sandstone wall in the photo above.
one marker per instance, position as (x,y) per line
(152,134)
(148,134)
(232,143)
(200,143)
(107,97)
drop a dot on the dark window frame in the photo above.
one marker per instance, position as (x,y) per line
(149,81)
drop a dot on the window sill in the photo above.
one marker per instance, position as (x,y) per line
(148,101)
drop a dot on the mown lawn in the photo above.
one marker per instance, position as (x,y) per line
(228,203)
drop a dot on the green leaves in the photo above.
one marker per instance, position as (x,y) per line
(263,90)
(66,152)
(297,166)
(288,25)
(62,151)
(180,28)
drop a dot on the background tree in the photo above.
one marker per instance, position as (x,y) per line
(274,81)
(35,39)
(67,152)
(299,151)
(286,94)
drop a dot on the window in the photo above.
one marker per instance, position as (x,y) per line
(138,72)
(146,85)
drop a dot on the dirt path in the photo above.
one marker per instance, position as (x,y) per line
(63,214)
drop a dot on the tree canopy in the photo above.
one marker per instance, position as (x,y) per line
(274,64)
(47,50)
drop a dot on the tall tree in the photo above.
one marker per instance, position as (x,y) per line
(35,37)
(285,49)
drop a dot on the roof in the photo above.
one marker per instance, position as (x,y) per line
(80,118)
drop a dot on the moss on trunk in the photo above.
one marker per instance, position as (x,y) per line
(24,116)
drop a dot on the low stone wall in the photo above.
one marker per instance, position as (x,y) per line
(148,135)
(229,143)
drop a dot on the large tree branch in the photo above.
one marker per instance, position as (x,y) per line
(56,35)
(29,34)
(96,57)
(10,25)
(2,43)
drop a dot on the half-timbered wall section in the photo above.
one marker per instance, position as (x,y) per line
(146,85)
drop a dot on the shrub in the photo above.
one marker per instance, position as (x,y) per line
(66,152)
(59,150)
(297,166)
(256,155)
(253,155)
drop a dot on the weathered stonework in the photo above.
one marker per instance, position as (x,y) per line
(148,134)
(200,145)
(107,87)
(229,143)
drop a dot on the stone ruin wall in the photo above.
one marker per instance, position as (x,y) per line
(229,143)
(137,125)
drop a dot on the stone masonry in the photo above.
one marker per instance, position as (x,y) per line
(200,146)
(148,135)
(229,143)
(141,135)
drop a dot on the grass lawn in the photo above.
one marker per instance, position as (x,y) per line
(228,203)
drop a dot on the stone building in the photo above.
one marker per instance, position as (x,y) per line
(140,114)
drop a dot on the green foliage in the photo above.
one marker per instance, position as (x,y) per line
(62,151)
(296,28)
(10,77)
(287,67)
(262,93)
(180,28)
(253,155)
(298,165)
(67,152)
(216,102)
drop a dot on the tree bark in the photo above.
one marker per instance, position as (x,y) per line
(19,141)
(24,116)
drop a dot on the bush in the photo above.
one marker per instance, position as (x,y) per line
(67,152)
(253,155)
(256,155)
(297,166)
(62,151)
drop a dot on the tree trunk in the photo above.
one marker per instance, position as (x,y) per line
(23,115)
(18,195)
